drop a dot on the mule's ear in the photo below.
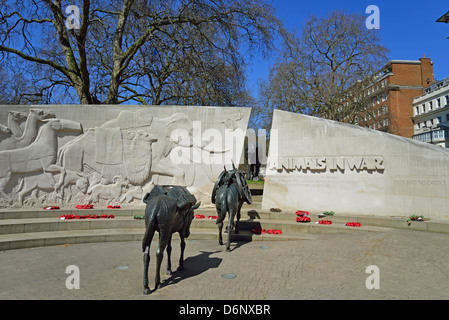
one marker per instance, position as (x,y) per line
(196,206)
(145,199)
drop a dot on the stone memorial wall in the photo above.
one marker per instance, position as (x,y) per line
(321,165)
(72,154)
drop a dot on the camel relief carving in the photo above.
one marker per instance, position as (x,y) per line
(36,157)
(15,118)
(32,125)
(135,145)
(79,155)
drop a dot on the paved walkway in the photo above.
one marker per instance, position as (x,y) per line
(412,265)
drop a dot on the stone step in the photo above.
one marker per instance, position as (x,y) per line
(14,226)
(40,239)
(31,228)
(263,220)
(41,213)
(26,233)
(34,225)
(51,238)
(247,213)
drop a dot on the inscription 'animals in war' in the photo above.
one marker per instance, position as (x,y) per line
(322,164)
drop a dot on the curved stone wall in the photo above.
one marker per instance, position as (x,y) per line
(321,165)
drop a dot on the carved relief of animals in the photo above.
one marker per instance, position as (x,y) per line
(33,122)
(79,155)
(108,192)
(36,157)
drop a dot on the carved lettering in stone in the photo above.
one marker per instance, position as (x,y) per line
(322,164)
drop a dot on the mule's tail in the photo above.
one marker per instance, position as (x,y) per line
(149,232)
(222,206)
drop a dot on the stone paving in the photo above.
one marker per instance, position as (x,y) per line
(412,265)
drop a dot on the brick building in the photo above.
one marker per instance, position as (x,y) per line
(388,97)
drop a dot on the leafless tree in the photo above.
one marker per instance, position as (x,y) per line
(150,52)
(324,70)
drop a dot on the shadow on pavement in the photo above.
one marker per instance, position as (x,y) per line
(194,266)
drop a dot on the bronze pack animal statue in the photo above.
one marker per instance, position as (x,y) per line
(230,192)
(169,209)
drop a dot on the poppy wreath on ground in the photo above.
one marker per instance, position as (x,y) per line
(199,216)
(51,208)
(85,206)
(353,224)
(301,213)
(269,231)
(87,216)
(324,222)
(302,219)
(114,207)
(212,217)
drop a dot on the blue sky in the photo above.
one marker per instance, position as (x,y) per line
(408,29)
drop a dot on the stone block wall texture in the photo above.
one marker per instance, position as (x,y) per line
(320,165)
(75,154)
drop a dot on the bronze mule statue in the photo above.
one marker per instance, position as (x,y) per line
(230,192)
(169,209)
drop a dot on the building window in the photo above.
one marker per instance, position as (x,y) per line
(447,99)
(416,110)
(438,103)
(447,117)
(431,105)
(439,120)
(423,108)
